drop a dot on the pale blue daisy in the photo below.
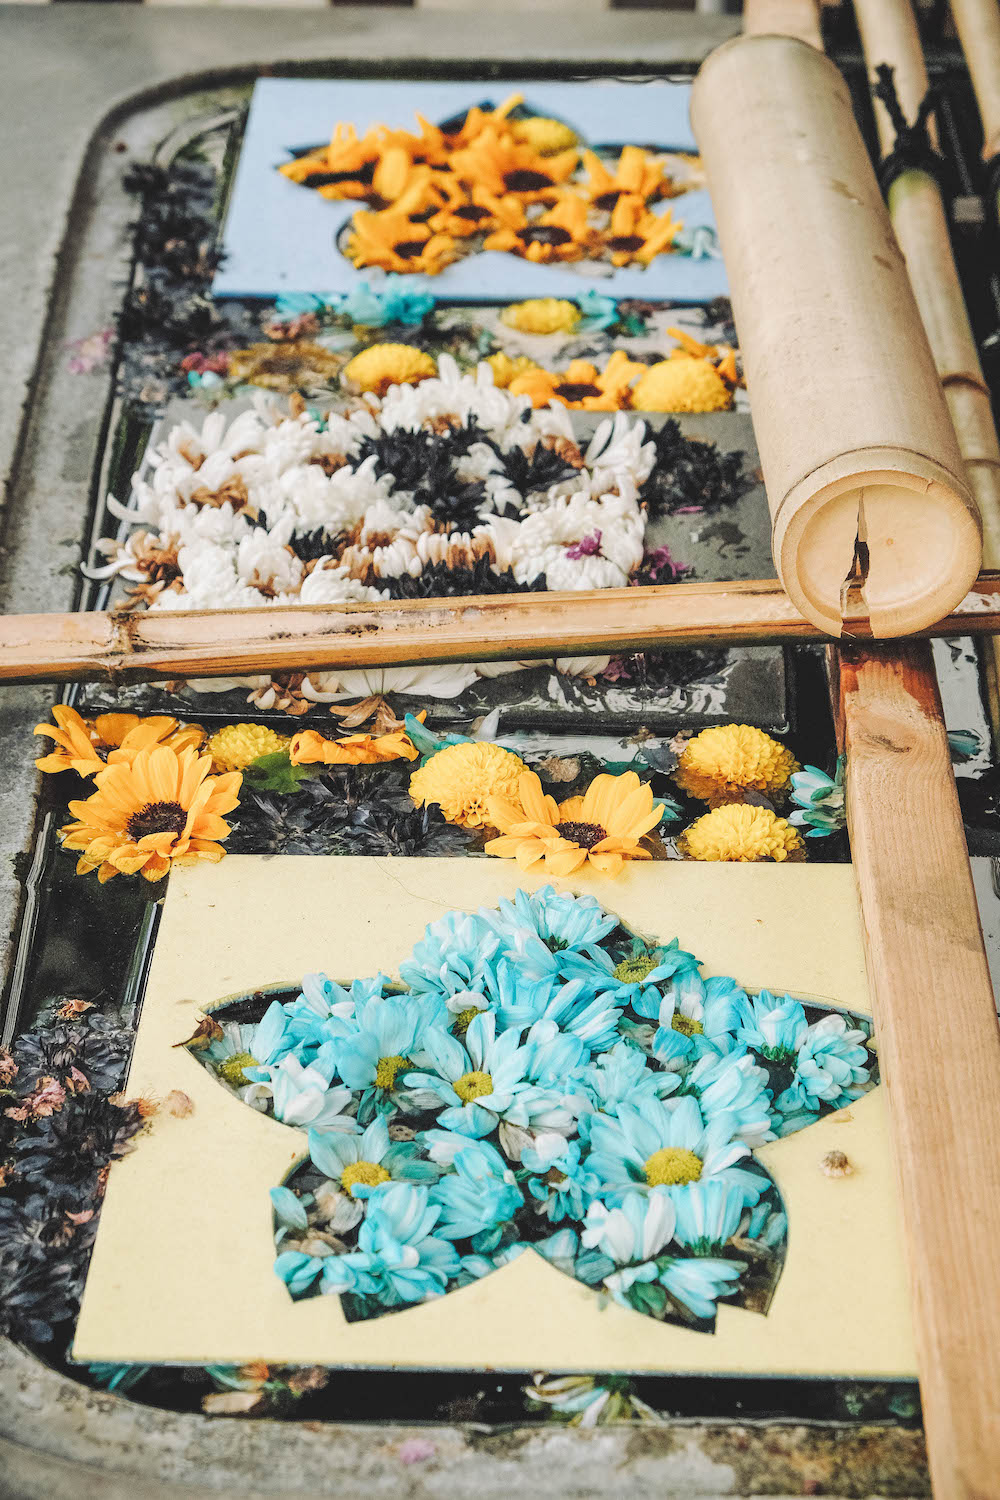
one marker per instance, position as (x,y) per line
(562,921)
(378,1043)
(360,1162)
(833,1067)
(621,1076)
(478,1198)
(773,1026)
(456,953)
(654,1143)
(698,1282)
(708,1215)
(399,1259)
(696,1016)
(562,1184)
(734,1084)
(477,1083)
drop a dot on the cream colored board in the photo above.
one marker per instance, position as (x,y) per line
(182,1268)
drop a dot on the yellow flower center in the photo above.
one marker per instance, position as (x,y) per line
(686,1025)
(464,1020)
(367,1173)
(635,969)
(156,817)
(672,1166)
(473,1086)
(233,1069)
(388,1068)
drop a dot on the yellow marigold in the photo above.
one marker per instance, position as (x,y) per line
(741,832)
(462,780)
(506,369)
(602,828)
(163,807)
(383,365)
(722,764)
(682,384)
(88,745)
(234,746)
(542,315)
(543,135)
(310,748)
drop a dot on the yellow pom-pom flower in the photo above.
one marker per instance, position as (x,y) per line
(547,137)
(506,369)
(384,365)
(682,384)
(234,746)
(463,778)
(740,832)
(542,315)
(724,763)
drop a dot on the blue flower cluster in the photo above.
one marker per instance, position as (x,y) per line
(545,1080)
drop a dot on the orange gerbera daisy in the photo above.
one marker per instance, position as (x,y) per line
(88,745)
(310,748)
(162,807)
(580,386)
(602,828)
(638,175)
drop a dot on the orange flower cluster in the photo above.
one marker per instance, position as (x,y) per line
(490,181)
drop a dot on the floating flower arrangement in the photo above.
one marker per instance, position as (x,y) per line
(542,1079)
(160,796)
(496,179)
(449,477)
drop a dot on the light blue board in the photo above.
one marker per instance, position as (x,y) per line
(281,238)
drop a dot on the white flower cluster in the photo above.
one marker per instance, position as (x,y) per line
(221,520)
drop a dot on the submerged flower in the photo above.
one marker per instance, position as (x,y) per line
(308,747)
(88,745)
(682,384)
(236,746)
(721,764)
(163,807)
(601,828)
(542,315)
(399,1259)
(819,801)
(463,779)
(740,832)
(384,365)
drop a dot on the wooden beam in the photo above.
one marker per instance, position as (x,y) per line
(938,1045)
(122,648)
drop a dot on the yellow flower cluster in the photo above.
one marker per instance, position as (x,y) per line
(739,832)
(722,764)
(383,365)
(462,780)
(489,181)
(235,746)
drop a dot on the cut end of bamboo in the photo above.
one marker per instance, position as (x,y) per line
(899,544)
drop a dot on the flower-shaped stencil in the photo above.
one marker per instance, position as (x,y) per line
(547,1081)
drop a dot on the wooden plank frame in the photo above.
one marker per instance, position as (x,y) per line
(122,648)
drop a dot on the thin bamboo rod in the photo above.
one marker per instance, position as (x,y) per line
(938,1046)
(889,35)
(122,648)
(978,26)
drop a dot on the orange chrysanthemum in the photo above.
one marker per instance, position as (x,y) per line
(161,808)
(310,748)
(603,828)
(88,745)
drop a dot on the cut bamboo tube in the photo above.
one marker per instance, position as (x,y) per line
(978,26)
(863,473)
(938,1046)
(122,648)
(799,18)
(889,35)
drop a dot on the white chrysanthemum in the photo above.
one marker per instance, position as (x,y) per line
(187,448)
(210,582)
(445,681)
(335,586)
(609,531)
(581,666)
(265,561)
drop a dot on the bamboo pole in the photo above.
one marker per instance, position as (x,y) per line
(123,648)
(938,1045)
(859,454)
(889,35)
(978,26)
